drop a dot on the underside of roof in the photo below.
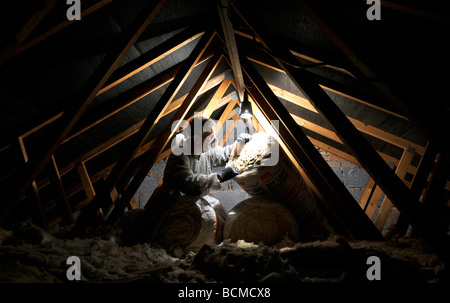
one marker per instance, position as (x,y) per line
(87,105)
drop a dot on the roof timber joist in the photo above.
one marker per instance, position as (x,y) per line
(121,74)
(82,102)
(118,138)
(26,30)
(391,184)
(138,140)
(305,153)
(152,56)
(55,29)
(429,120)
(125,99)
(226,100)
(300,101)
(331,86)
(364,127)
(335,88)
(96,118)
(108,110)
(150,157)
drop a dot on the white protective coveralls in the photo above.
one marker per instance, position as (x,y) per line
(184,174)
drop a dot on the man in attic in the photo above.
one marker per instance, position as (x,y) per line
(189,167)
(187,177)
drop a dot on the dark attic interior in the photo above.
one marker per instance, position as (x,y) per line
(353,96)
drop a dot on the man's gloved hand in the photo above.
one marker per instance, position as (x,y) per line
(243,138)
(227,174)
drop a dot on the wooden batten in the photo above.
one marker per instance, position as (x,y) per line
(61,196)
(334,76)
(386,206)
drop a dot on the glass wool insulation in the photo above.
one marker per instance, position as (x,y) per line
(252,153)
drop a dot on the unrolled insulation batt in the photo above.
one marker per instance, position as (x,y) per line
(266,171)
(260,220)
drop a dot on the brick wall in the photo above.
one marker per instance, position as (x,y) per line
(353,177)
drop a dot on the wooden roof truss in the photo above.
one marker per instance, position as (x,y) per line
(39,169)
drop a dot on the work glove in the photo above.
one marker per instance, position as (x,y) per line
(244,138)
(241,140)
(227,174)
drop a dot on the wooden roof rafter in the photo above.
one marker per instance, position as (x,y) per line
(97,175)
(121,74)
(118,138)
(334,86)
(307,155)
(26,30)
(150,157)
(391,184)
(26,44)
(84,98)
(430,125)
(138,139)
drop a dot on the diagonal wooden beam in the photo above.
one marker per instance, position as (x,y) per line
(152,56)
(216,98)
(26,45)
(320,173)
(86,217)
(431,125)
(415,12)
(425,165)
(82,101)
(390,183)
(116,104)
(128,98)
(26,30)
(336,87)
(224,11)
(149,159)
(105,171)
